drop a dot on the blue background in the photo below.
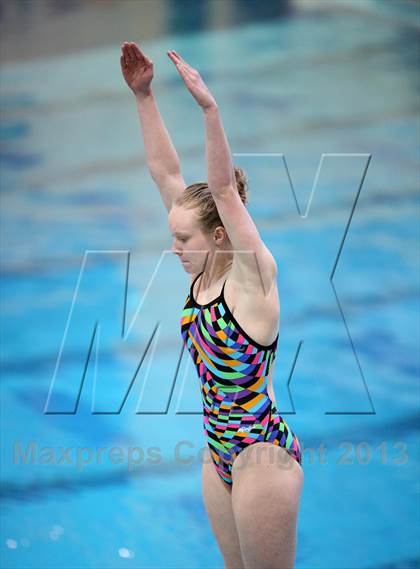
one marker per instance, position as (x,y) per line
(320,105)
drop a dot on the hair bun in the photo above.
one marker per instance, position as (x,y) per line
(241,184)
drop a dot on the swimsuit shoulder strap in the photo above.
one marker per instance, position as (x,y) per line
(223,287)
(193,283)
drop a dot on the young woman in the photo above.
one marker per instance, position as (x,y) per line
(252,475)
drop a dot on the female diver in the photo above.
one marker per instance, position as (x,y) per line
(251,474)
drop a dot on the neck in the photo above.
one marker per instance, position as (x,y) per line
(213,274)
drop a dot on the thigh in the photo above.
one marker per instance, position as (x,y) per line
(267,484)
(218,503)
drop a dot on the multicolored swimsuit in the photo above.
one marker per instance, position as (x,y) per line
(233,370)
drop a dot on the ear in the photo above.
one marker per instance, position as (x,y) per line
(220,234)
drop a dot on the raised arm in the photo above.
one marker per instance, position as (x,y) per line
(239,225)
(162,158)
(220,171)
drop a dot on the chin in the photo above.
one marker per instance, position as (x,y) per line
(186,266)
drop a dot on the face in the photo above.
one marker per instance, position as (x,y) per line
(189,242)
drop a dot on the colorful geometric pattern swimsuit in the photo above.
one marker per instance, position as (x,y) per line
(233,370)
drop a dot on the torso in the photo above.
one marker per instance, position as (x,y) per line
(256,312)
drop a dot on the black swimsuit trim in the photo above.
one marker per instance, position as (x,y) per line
(231,316)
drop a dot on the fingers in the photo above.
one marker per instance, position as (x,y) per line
(186,72)
(140,56)
(123,62)
(129,53)
(137,51)
(132,54)
(177,59)
(174,56)
(182,69)
(182,66)
(124,55)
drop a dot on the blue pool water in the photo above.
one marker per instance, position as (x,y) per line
(332,88)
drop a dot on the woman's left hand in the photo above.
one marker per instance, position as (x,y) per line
(193,81)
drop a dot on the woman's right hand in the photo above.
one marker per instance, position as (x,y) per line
(137,68)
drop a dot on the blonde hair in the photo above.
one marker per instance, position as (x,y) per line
(198,196)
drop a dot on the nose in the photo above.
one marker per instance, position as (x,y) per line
(175,249)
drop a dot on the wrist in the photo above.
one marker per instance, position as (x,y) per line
(143,95)
(211,109)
